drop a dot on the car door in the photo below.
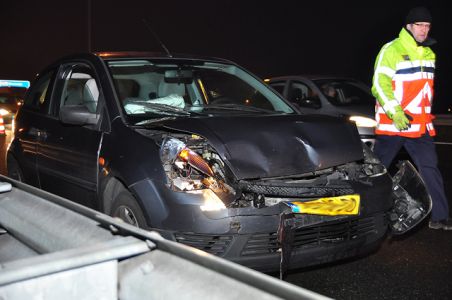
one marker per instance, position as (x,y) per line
(23,149)
(68,154)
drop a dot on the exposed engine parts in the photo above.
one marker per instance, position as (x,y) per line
(191,163)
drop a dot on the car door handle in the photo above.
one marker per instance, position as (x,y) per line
(42,135)
(33,131)
(37,133)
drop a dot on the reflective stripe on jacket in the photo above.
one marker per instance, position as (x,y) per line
(403,76)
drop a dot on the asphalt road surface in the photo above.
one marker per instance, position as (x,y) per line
(417,265)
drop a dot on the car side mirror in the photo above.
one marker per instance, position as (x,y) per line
(77,115)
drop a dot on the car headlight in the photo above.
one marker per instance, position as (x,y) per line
(211,201)
(174,150)
(4,112)
(196,169)
(363,121)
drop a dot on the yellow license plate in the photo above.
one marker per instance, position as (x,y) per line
(328,206)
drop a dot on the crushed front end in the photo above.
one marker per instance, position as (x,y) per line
(254,222)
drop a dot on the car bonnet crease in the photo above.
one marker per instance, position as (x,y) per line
(262,147)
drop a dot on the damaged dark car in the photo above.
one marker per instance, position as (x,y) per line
(203,152)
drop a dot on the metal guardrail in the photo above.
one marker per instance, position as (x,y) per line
(78,253)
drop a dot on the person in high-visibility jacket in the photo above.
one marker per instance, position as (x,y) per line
(403,86)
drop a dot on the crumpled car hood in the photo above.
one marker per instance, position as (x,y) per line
(272,146)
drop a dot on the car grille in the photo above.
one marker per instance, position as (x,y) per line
(213,244)
(336,232)
(261,244)
(288,190)
(318,235)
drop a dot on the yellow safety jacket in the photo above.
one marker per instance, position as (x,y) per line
(403,77)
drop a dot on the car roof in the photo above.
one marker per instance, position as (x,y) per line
(96,57)
(113,55)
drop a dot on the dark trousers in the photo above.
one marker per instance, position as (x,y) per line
(422,151)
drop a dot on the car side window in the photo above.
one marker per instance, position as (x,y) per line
(80,88)
(303,96)
(355,95)
(38,97)
(332,93)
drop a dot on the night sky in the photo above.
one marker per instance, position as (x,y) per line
(268,38)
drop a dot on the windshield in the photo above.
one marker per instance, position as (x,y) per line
(344,92)
(151,90)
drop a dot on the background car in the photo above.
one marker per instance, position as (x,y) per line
(337,96)
(204,152)
(8,106)
(10,101)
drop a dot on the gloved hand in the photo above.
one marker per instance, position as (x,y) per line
(400,119)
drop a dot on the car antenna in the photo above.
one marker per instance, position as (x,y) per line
(157,37)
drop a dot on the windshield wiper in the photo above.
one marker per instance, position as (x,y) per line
(172,112)
(143,106)
(156,120)
(160,107)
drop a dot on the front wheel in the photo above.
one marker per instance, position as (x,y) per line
(127,209)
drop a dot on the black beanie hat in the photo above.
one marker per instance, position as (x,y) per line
(418,14)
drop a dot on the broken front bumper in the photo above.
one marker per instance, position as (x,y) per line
(411,201)
(250,236)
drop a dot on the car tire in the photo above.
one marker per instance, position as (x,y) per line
(13,169)
(126,208)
